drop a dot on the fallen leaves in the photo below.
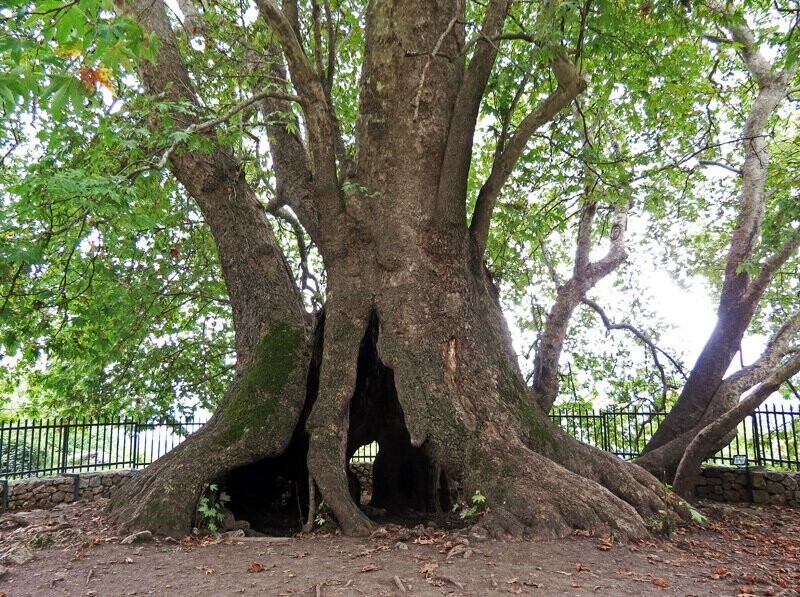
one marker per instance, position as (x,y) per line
(718,572)
(605,544)
(255,567)
(428,568)
(660,582)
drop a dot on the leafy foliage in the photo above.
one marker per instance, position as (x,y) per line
(111,295)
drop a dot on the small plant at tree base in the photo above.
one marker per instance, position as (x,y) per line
(465,512)
(676,501)
(211,506)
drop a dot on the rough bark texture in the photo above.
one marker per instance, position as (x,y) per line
(413,330)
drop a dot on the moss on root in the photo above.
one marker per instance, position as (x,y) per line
(257,396)
(514,393)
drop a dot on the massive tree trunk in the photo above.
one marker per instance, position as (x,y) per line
(414,351)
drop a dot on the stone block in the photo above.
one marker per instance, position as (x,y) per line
(778,499)
(774,487)
(759,482)
(760,496)
(57,497)
(731,495)
(790,482)
(773,476)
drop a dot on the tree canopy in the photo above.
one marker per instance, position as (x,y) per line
(579,145)
(111,291)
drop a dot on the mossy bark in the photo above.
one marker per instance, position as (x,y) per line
(255,420)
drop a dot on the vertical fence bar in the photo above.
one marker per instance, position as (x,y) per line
(756,440)
(64,445)
(26,465)
(135,442)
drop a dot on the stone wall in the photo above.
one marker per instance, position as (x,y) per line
(729,484)
(46,492)
(724,484)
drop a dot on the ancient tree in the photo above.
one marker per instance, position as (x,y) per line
(357,174)
(412,349)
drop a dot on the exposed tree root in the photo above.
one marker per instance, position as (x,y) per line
(531,495)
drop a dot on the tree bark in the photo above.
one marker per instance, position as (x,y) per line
(405,284)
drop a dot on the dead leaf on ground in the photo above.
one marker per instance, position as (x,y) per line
(660,582)
(371,568)
(428,568)
(604,544)
(718,572)
(255,567)
(582,568)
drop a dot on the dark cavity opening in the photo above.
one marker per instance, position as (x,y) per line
(403,478)
(272,494)
(400,483)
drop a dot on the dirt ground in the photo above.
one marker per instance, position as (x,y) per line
(73,550)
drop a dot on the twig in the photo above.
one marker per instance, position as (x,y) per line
(399,584)
(720,165)
(202,127)
(654,350)
(425,68)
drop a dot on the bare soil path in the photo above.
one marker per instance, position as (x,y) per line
(72,550)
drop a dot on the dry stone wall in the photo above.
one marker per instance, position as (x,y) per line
(46,492)
(726,484)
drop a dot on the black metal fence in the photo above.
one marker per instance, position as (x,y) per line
(769,437)
(44,447)
(32,448)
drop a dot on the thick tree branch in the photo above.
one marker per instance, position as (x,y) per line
(293,179)
(772,89)
(774,263)
(585,275)
(192,19)
(777,348)
(570,84)
(739,297)
(715,432)
(320,120)
(455,168)
(260,284)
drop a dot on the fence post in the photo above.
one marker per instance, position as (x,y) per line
(604,430)
(135,457)
(756,439)
(64,446)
